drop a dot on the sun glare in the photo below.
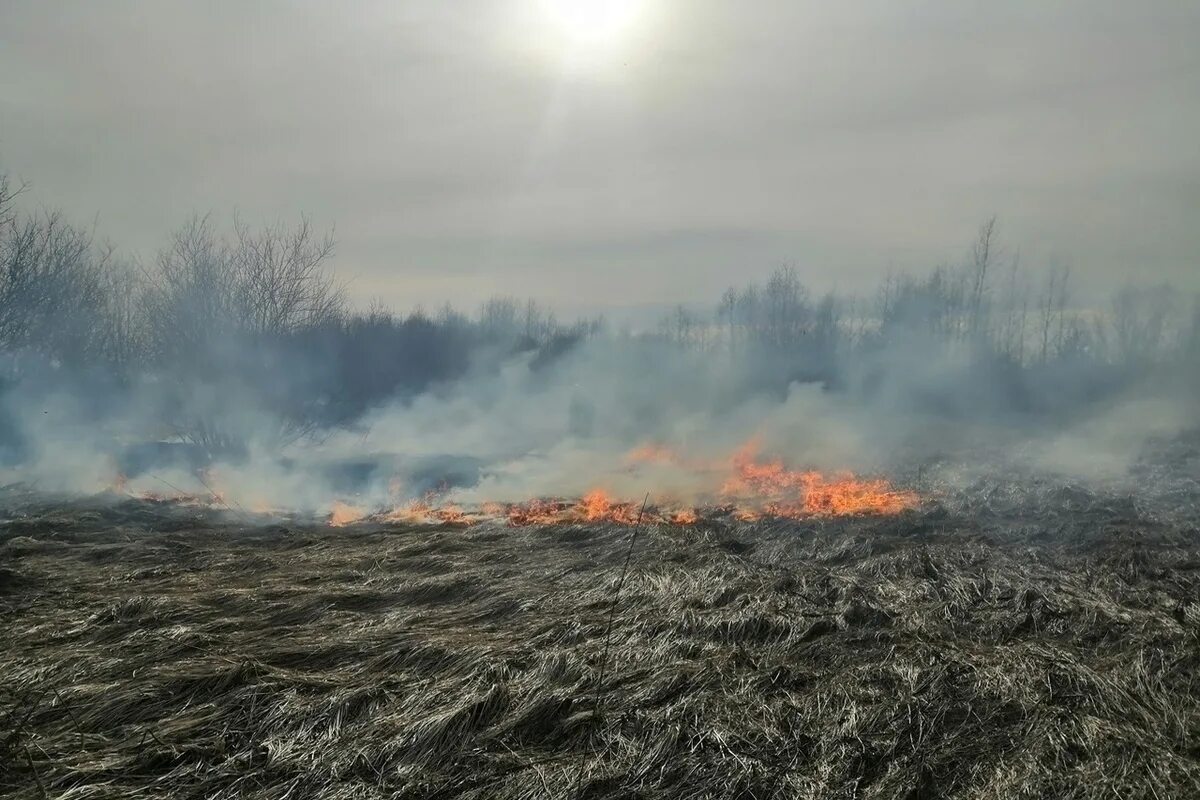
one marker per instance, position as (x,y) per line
(594,24)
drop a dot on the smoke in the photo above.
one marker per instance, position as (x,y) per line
(1104,445)
(570,427)
(515,429)
(233,370)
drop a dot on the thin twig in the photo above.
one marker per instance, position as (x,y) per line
(220,499)
(215,496)
(74,719)
(15,736)
(38,778)
(612,609)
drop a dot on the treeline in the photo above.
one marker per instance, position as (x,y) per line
(228,331)
(246,333)
(989,310)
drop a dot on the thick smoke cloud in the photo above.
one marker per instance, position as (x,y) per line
(231,368)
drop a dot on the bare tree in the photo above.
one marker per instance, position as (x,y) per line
(826,331)
(8,194)
(1139,321)
(749,311)
(51,289)
(726,310)
(933,307)
(124,334)
(1011,330)
(498,318)
(1052,311)
(787,314)
(228,313)
(983,255)
(535,326)
(679,327)
(281,279)
(194,297)
(266,283)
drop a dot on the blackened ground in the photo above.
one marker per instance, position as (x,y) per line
(1012,639)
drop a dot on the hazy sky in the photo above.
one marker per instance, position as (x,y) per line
(467,148)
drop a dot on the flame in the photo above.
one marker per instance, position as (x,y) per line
(685,516)
(595,506)
(768,487)
(342,514)
(744,486)
(424,512)
(753,488)
(599,505)
(537,512)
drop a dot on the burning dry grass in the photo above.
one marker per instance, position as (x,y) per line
(1012,642)
(746,488)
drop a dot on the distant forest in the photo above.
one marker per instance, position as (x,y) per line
(257,316)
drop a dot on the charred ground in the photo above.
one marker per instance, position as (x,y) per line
(1014,638)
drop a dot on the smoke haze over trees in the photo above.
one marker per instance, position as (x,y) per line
(239,340)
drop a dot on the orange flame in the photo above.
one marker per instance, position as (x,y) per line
(685,516)
(747,487)
(753,488)
(342,514)
(423,512)
(771,488)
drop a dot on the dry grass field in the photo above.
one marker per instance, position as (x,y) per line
(1013,639)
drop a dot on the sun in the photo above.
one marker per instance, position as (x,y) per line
(590,25)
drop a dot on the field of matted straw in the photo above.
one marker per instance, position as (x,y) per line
(1008,641)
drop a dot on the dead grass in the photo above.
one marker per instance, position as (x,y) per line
(1018,640)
